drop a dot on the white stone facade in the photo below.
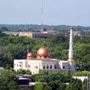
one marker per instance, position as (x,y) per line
(35,66)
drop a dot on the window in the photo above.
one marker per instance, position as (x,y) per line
(20,65)
(43,67)
(63,67)
(28,66)
(37,67)
(50,66)
(47,66)
(55,66)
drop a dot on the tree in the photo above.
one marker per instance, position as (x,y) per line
(23,72)
(74,84)
(3,29)
(39,86)
(8,80)
(47,87)
(57,85)
(13,47)
(84,85)
(62,86)
(54,84)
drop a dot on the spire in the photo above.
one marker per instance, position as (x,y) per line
(70,56)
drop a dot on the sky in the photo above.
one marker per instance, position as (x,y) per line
(56,12)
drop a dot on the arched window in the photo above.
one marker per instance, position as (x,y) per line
(43,67)
(50,66)
(37,67)
(20,65)
(55,66)
(28,66)
(47,67)
(63,67)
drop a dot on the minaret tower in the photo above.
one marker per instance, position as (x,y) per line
(70,55)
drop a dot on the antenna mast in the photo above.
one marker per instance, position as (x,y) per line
(42,12)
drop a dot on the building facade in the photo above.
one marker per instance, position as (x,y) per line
(43,34)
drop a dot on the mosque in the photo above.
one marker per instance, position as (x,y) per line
(42,61)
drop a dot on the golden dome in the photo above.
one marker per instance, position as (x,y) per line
(43,52)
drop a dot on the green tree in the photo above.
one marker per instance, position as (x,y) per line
(23,72)
(39,86)
(62,86)
(84,85)
(74,84)
(8,80)
(47,87)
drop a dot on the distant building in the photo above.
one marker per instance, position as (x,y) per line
(85,33)
(25,81)
(82,33)
(10,33)
(43,34)
(2,34)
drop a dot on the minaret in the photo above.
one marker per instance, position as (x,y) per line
(70,55)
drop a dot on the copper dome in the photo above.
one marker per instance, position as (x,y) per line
(43,52)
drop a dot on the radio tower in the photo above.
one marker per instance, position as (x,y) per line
(42,12)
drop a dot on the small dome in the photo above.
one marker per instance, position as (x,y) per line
(29,54)
(43,52)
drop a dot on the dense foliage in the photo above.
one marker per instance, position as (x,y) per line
(52,76)
(45,81)
(35,27)
(81,73)
(58,81)
(13,47)
(8,80)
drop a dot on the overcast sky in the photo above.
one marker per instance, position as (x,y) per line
(68,12)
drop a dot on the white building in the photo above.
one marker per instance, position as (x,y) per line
(43,61)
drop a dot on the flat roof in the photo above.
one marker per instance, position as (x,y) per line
(40,59)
